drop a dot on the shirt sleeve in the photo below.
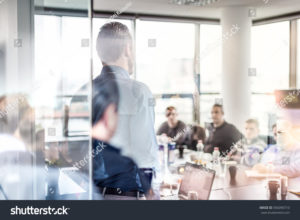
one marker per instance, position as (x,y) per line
(292,169)
(161,129)
(182,133)
(236,135)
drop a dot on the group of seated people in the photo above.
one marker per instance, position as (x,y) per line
(221,134)
(281,151)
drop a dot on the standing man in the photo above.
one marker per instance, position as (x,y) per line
(221,134)
(135,135)
(116,176)
(173,128)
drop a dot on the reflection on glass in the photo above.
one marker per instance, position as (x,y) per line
(44,128)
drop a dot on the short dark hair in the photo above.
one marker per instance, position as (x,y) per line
(219,106)
(112,40)
(105,92)
(253,121)
(169,109)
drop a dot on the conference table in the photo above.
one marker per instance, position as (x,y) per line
(242,187)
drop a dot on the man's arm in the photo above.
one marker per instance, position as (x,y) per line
(162,129)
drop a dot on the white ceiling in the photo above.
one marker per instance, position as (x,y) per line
(264,8)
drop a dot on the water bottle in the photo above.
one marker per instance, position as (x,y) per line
(171,152)
(216,155)
(216,161)
(200,146)
(161,155)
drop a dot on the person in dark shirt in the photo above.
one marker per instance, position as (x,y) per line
(173,128)
(221,134)
(117,176)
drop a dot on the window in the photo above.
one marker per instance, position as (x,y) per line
(210,60)
(165,56)
(62,68)
(165,62)
(62,65)
(270,57)
(269,69)
(298,54)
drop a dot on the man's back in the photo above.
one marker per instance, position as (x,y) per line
(135,134)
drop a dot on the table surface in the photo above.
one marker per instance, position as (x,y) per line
(243,188)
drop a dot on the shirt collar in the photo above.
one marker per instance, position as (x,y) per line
(216,128)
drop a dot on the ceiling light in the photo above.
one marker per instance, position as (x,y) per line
(193,2)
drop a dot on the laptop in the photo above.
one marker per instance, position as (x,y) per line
(196,179)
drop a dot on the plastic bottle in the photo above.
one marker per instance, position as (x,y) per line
(171,152)
(216,161)
(200,146)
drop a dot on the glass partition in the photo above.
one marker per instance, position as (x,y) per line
(45,103)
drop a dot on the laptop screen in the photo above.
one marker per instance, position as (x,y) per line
(197,179)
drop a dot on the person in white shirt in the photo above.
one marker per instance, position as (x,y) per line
(135,134)
(284,157)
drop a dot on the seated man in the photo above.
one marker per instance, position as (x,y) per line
(117,176)
(221,134)
(249,148)
(284,157)
(272,139)
(173,128)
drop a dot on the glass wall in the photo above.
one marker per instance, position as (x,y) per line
(298,54)
(45,118)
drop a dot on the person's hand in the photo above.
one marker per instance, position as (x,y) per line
(164,138)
